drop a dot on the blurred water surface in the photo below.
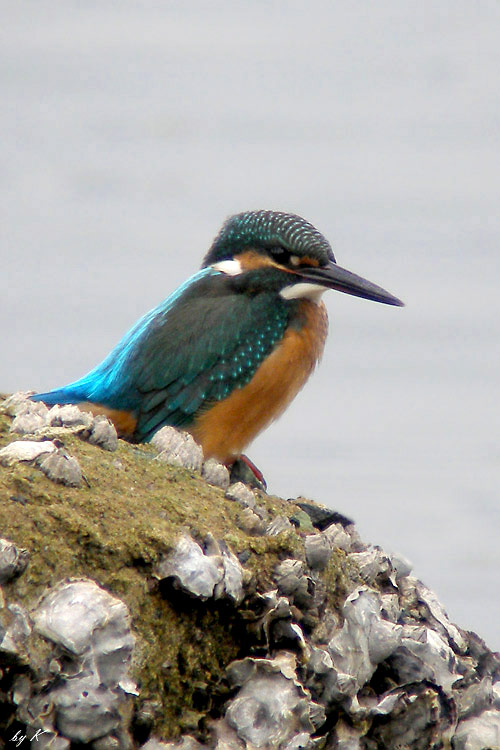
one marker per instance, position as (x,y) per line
(130,131)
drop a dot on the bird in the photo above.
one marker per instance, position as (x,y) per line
(224,355)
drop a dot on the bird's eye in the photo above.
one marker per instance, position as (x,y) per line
(279,254)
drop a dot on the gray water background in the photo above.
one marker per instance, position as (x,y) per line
(129,131)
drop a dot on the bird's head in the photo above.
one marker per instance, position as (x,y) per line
(271,250)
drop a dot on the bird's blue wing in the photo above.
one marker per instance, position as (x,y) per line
(194,349)
(211,342)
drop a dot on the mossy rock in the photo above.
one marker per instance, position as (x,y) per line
(114,529)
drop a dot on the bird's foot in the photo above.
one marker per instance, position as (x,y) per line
(244,470)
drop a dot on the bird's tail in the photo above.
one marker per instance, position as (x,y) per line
(66,395)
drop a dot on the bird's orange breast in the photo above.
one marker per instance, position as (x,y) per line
(224,430)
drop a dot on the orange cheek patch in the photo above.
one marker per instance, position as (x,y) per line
(250,260)
(224,430)
(306,260)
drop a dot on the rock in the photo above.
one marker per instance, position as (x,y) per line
(479,732)
(231,586)
(82,617)
(25,450)
(418,597)
(84,710)
(288,576)
(438,618)
(423,719)
(70,416)
(424,655)
(103,433)
(342,651)
(278,525)
(47,740)
(55,463)
(271,709)
(474,696)
(401,565)
(325,683)
(213,572)
(15,628)
(16,403)
(318,551)
(62,468)
(33,417)
(8,646)
(292,581)
(374,565)
(30,417)
(339,537)
(13,560)
(185,743)
(178,448)
(346,737)
(94,629)
(215,473)
(366,639)
(20,626)
(251,523)
(191,569)
(241,494)
(107,743)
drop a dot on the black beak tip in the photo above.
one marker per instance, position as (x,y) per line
(396,302)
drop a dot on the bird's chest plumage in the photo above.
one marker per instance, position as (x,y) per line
(225,428)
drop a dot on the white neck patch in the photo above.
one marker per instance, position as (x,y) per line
(303,290)
(229,267)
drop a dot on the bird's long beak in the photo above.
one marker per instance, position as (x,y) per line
(333,276)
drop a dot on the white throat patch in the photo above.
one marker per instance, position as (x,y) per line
(303,290)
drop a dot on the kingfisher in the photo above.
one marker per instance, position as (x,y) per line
(225,354)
